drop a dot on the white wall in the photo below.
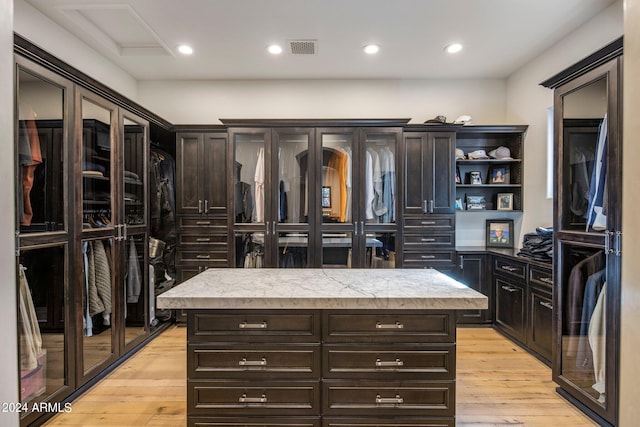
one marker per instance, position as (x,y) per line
(630,316)
(8,314)
(43,32)
(527,102)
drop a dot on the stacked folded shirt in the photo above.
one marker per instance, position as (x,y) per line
(538,245)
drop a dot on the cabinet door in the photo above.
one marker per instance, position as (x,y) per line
(214,173)
(539,335)
(189,158)
(429,177)
(473,274)
(510,308)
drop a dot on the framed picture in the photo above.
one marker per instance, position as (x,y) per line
(499,175)
(499,233)
(326,197)
(475,178)
(504,201)
(476,203)
(459,205)
(458,180)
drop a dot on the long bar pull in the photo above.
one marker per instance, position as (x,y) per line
(430,206)
(199,206)
(267,227)
(389,400)
(245,362)
(396,325)
(203,239)
(546,305)
(355,228)
(245,399)
(245,325)
(508,268)
(424,206)
(203,256)
(206,206)
(203,222)
(389,364)
(509,288)
(548,280)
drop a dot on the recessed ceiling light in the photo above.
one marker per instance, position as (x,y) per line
(275,49)
(185,49)
(453,48)
(371,49)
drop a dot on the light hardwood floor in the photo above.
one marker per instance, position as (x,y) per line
(498,384)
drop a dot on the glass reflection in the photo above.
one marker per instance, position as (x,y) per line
(292,178)
(249,176)
(337,178)
(337,250)
(250,250)
(380,250)
(293,250)
(134,177)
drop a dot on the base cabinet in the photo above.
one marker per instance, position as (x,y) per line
(472,272)
(321,367)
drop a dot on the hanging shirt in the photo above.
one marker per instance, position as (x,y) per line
(597,218)
(259,187)
(368,190)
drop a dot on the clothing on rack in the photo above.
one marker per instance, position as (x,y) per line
(29,157)
(598,343)
(161,211)
(597,213)
(134,275)
(593,288)
(28,327)
(99,281)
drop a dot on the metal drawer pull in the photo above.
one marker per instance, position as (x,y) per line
(508,268)
(396,325)
(203,256)
(245,325)
(199,206)
(245,399)
(546,304)
(430,239)
(392,364)
(389,400)
(509,289)
(203,239)
(428,222)
(245,362)
(203,222)
(547,280)
(427,256)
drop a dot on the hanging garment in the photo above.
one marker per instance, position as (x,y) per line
(28,170)
(28,327)
(283,208)
(99,281)
(258,180)
(378,206)
(88,321)
(134,276)
(598,343)
(597,218)
(368,191)
(348,184)
(592,290)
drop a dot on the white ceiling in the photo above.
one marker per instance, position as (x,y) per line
(230,36)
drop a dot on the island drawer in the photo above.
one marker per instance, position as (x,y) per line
(289,361)
(251,398)
(411,398)
(253,326)
(253,422)
(387,422)
(398,361)
(388,326)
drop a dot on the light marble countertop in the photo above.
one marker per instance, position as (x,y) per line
(238,288)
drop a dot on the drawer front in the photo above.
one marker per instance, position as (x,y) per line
(509,268)
(435,362)
(433,399)
(431,258)
(202,222)
(254,326)
(387,422)
(390,327)
(200,239)
(253,422)
(209,258)
(541,277)
(439,223)
(266,361)
(428,240)
(250,398)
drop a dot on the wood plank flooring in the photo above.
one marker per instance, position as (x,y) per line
(498,384)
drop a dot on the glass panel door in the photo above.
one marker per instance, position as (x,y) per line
(134,176)
(335,187)
(380,177)
(292,176)
(135,290)
(249,177)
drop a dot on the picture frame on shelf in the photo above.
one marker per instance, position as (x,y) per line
(499,175)
(476,203)
(475,178)
(504,201)
(499,233)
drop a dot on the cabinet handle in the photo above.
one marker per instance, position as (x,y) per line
(199,206)
(389,364)
(428,223)
(424,206)
(203,256)
(245,325)
(389,400)
(427,256)
(508,268)
(206,206)
(547,280)
(396,325)
(428,239)
(274,227)
(546,304)
(355,228)
(266,225)
(245,399)
(430,206)
(509,288)
(362,228)
(203,239)
(203,222)
(245,362)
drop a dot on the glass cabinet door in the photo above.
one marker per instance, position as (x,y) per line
(134,177)
(249,176)
(380,176)
(135,289)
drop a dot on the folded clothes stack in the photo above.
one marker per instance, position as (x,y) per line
(538,245)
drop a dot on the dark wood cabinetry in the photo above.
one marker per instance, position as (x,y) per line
(511,297)
(473,273)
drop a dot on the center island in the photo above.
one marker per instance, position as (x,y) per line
(321,347)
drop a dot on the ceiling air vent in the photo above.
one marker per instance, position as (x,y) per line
(303,47)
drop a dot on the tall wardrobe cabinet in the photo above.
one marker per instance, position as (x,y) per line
(588,235)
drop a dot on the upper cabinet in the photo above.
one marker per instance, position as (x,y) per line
(587,231)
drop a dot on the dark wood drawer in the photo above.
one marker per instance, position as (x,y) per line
(265,361)
(253,398)
(509,267)
(387,422)
(200,239)
(541,277)
(253,422)
(385,326)
(254,326)
(210,258)
(428,240)
(431,222)
(436,362)
(431,258)
(202,222)
(433,399)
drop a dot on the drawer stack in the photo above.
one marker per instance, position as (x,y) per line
(429,242)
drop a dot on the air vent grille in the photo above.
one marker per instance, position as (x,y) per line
(303,47)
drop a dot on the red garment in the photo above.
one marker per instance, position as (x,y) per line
(28,170)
